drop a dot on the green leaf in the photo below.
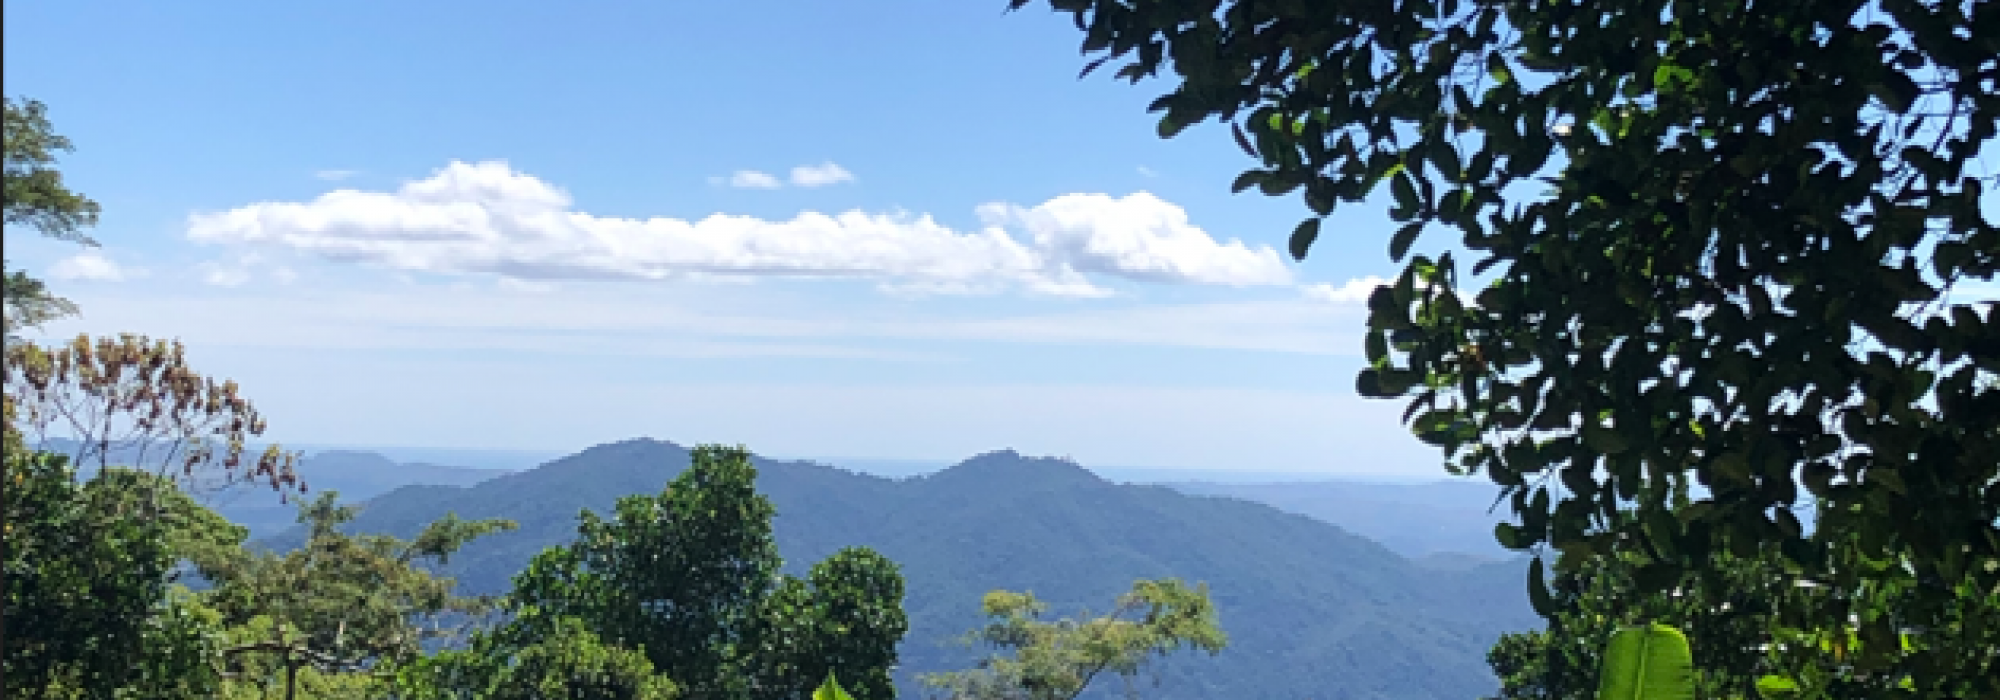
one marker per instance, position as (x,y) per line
(1497,68)
(1303,237)
(1405,191)
(1242,141)
(1392,171)
(1652,662)
(1669,77)
(1604,440)
(1369,384)
(1245,181)
(1399,244)
(1774,686)
(830,690)
(1538,589)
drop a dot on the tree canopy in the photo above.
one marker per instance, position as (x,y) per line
(690,577)
(1057,660)
(37,198)
(139,399)
(1738,271)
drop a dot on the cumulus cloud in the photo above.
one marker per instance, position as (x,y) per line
(88,265)
(821,175)
(1140,237)
(1354,291)
(749,180)
(487,218)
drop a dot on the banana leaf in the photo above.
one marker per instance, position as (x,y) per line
(1652,662)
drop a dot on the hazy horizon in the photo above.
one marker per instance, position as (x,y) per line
(517,460)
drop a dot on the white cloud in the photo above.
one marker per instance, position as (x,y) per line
(336,175)
(1140,237)
(88,265)
(1148,172)
(1354,291)
(487,218)
(749,180)
(821,175)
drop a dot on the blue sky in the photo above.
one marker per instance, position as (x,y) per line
(894,229)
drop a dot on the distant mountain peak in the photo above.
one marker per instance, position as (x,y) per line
(630,446)
(1009,467)
(353,456)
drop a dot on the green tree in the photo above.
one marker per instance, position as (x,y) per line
(112,394)
(1728,630)
(343,603)
(38,199)
(1741,276)
(844,619)
(1729,613)
(88,586)
(569,662)
(1057,660)
(1527,671)
(690,577)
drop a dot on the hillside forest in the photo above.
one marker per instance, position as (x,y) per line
(1696,335)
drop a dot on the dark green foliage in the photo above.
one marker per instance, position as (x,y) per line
(1751,619)
(853,607)
(36,195)
(1523,662)
(30,303)
(37,198)
(568,662)
(87,583)
(845,617)
(344,603)
(691,578)
(1740,278)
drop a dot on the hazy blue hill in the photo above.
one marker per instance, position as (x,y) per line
(1313,610)
(1415,520)
(357,475)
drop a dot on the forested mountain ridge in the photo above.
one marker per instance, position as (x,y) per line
(1311,609)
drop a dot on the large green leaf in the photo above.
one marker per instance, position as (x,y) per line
(1652,662)
(830,690)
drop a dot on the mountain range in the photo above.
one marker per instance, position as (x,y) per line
(1312,609)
